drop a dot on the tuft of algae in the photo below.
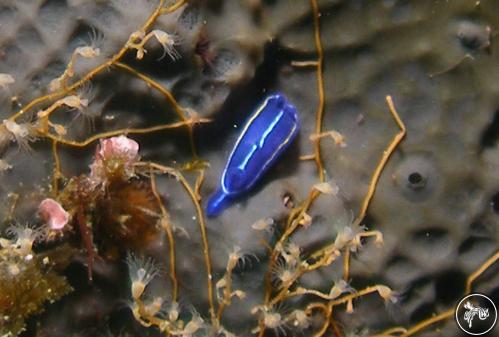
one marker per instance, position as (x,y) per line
(28,282)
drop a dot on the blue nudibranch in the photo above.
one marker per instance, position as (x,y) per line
(264,138)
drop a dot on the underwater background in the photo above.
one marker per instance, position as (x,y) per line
(367,225)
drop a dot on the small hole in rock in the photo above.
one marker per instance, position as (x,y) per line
(416,181)
(415,178)
(474,36)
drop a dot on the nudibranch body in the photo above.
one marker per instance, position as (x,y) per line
(268,132)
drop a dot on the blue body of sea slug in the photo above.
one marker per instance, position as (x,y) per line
(268,132)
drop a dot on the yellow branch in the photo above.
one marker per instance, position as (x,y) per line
(165,224)
(428,322)
(480,271)
(320,86)
(446,314)
(382,163)
(92,73)
(202,227)
(168,95)
(57,168)
(152,83)
(128,131)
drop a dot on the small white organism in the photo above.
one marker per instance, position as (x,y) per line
(6,80)
(141,272)
(75,102)
(23,237)
(167,41)
(20,133)
(4,166)
(265,224)
(299,319)
(387,294)
(272,320)
(337,137)
(328,187)
(339,287)
(87,51)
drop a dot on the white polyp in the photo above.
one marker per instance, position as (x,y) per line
(339,287)
(194,325)
(24,237)
(301,319)
(272,320)
(18,130)
(87,51)
(5,80)
(167,41)
(152,308)
(137,289)
(141,272)
(74,101)
(327,188)
(386,293)
(173,313)
(264,224)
